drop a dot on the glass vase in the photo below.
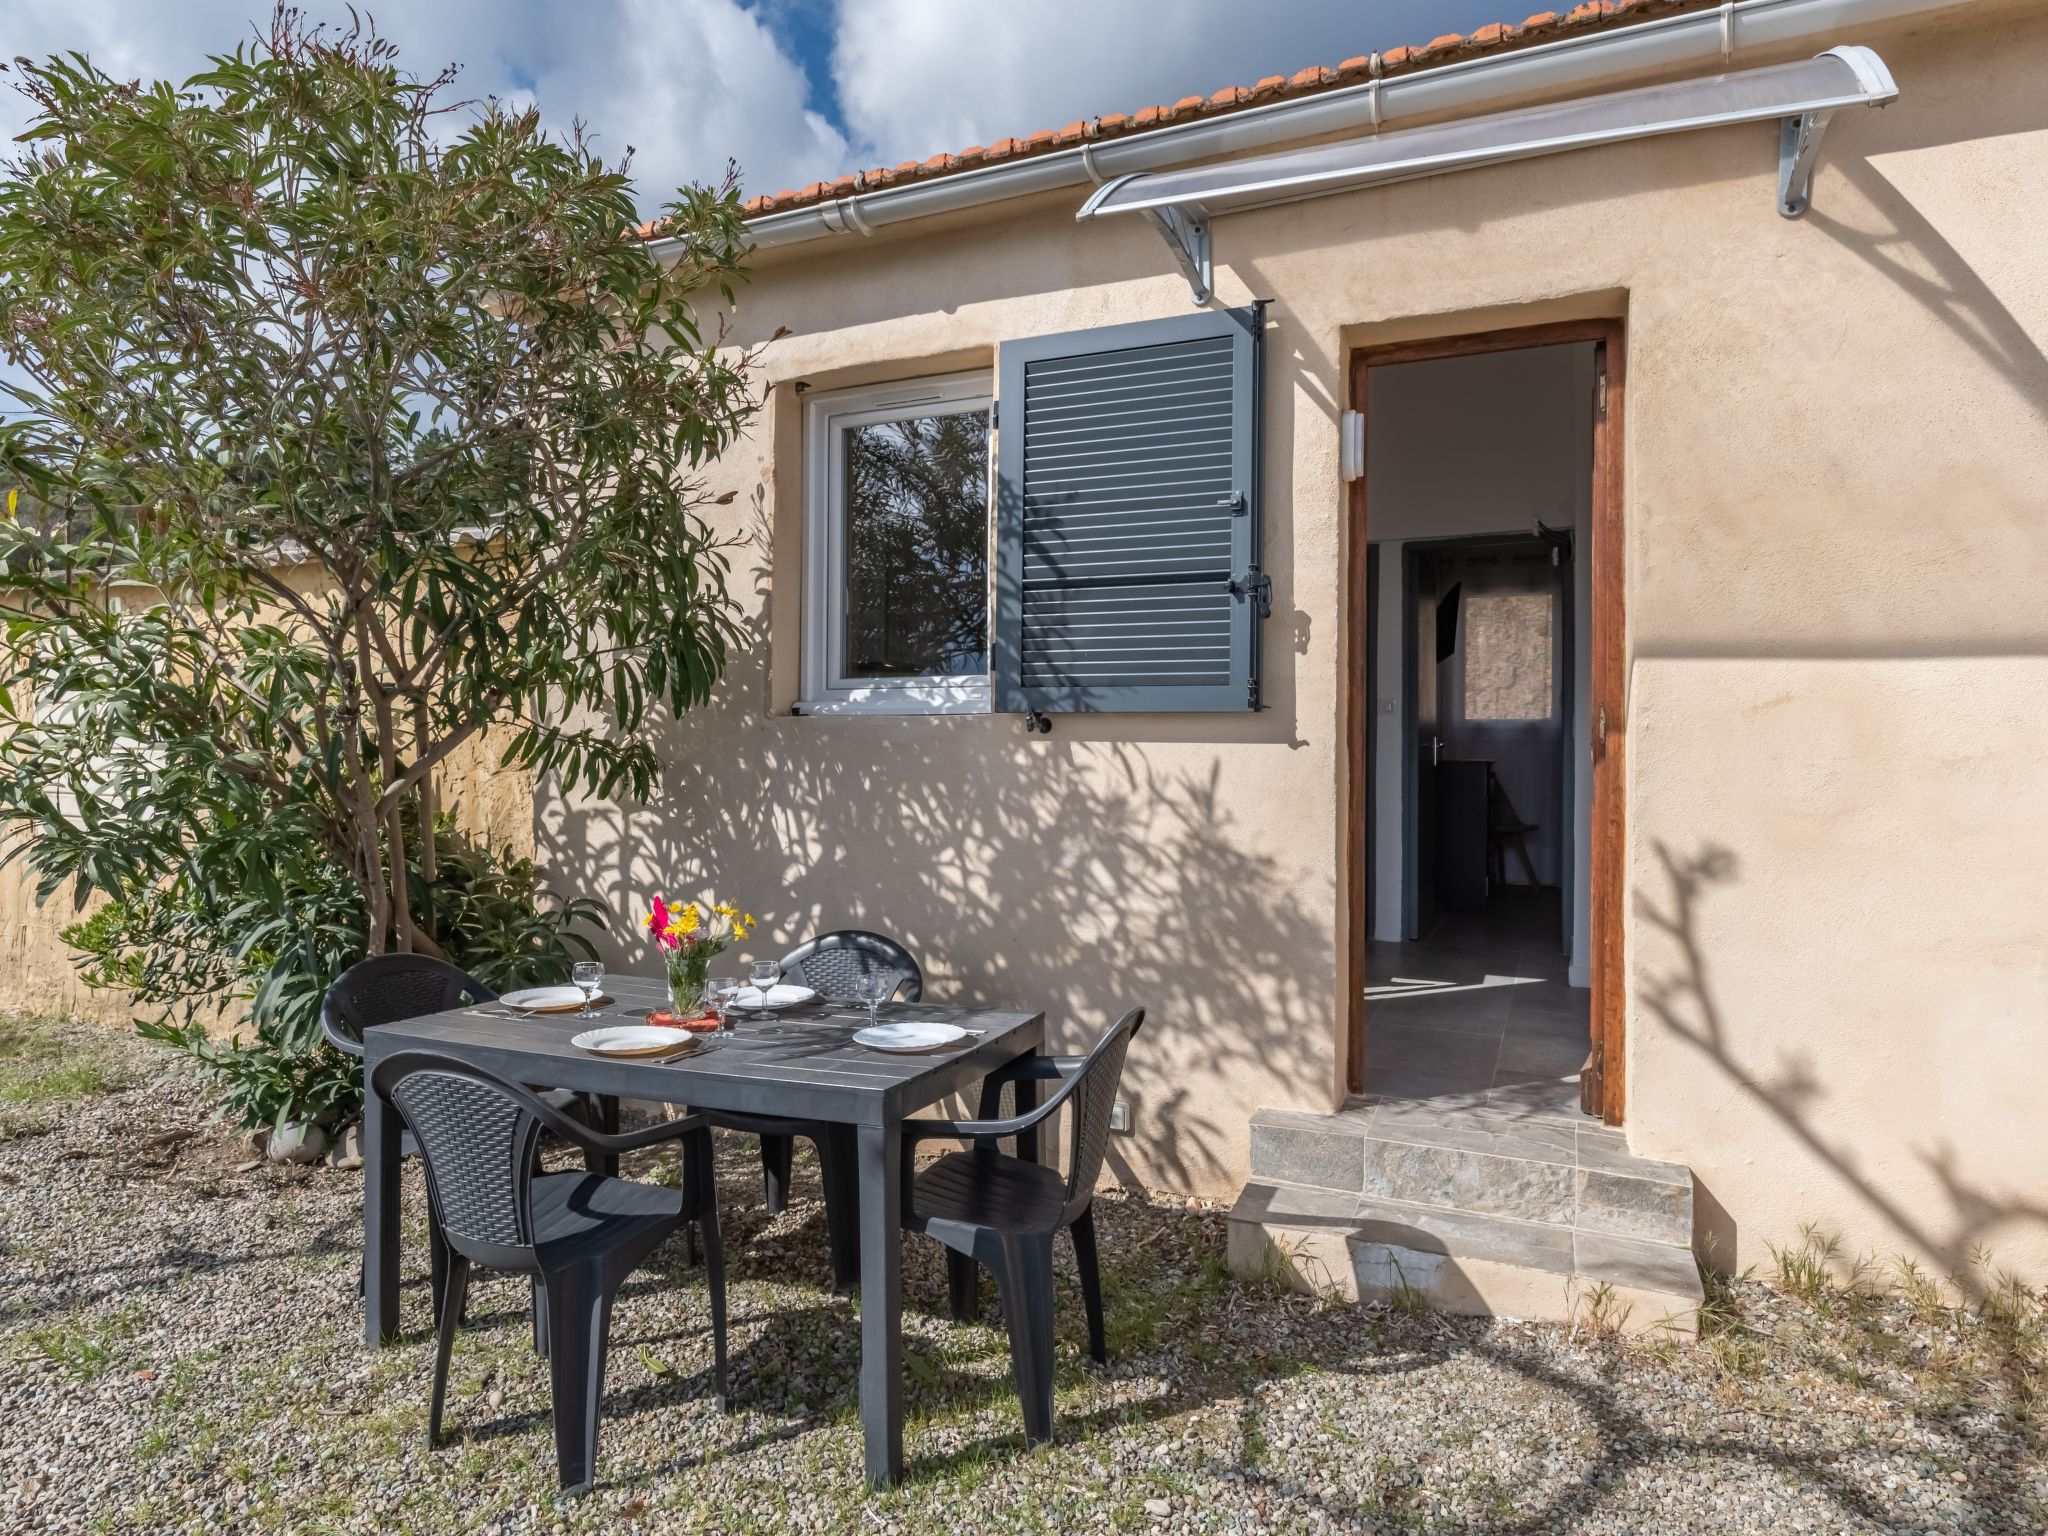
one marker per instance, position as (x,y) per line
(686,989)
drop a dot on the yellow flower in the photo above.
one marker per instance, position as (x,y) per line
(689,919)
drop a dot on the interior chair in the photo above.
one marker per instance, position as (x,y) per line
(1505,831)
(578,1235)
(387,988)
(989,1208)
(827,965)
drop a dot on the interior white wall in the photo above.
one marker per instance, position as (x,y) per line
(1462,446)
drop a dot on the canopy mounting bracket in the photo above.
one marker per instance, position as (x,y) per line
(1185,229)
(1798,148)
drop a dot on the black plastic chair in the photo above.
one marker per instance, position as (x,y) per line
(990,1208)
(579,1235)
(827,965)
(387,988)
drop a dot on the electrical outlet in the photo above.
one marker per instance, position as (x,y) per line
(1120,1116)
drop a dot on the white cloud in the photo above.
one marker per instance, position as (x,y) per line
(693,83)
(919,76)
(689,83)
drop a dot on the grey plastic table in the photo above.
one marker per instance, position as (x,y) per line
(802,1064)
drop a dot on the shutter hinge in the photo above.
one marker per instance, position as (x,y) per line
(995,415)
(1600,392)
(1258,586)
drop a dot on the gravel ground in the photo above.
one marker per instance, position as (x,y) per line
(180,1351)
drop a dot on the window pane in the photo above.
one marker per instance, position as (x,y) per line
(917,547)
(1507,657)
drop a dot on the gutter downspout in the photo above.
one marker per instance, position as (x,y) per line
(1714,35)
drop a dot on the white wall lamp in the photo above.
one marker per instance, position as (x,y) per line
(1351,439)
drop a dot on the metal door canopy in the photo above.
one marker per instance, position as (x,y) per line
(1800,95)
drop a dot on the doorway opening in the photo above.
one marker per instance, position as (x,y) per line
(1485,807)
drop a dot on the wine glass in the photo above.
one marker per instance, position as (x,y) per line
(723,991)
(872,989)
(765,974)
(588,976)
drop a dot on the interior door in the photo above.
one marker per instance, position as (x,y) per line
(1428,741)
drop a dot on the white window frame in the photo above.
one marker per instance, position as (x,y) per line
(826,688)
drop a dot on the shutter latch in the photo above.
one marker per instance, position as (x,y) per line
(1258,586)
(1236,502)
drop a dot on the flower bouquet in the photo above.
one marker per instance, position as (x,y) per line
(690,937)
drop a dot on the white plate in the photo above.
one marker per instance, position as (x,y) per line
(634,1040)
(549,1000)
(910,1036)
(782,995)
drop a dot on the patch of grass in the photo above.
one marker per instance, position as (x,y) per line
(1922,1292)
(42,1066)
(1725,1332)
(2014,1320)
(1405,1299)
(1149,1299)
(1812,1268)
(84,1347)
(1598,1310)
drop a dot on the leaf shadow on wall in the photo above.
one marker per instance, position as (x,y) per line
(1681,998)
(1075,875)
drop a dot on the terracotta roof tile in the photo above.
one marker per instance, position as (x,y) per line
(1542,27)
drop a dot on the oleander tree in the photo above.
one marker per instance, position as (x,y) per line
(352,426)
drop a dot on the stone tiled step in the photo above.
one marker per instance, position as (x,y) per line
(1362,1248)
(1479,1161)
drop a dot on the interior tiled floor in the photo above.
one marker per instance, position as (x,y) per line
(1479,1015)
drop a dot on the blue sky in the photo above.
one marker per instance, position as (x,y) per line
(793,90)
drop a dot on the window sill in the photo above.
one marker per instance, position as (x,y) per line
(931,699)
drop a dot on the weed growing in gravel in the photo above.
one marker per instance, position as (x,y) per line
(1405,1299)
(86,1347)
(1725,1332)
(41,1066)
(1875,1327)
(2015,1318)
(1599,1311)
(1801,1269)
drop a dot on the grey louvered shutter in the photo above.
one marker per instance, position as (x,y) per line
(1127,518)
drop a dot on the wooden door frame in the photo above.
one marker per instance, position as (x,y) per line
(1605,1091)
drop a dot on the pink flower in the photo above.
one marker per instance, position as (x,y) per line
(658,923)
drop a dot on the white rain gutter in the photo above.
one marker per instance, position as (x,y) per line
(1712,36)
